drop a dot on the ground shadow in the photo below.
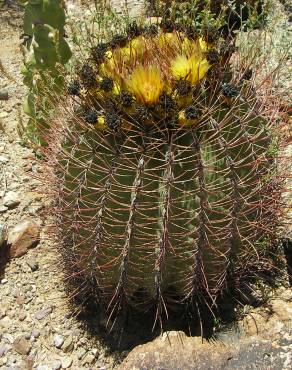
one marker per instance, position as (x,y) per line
(4,258)
(287,247)
(134,328)
(195,318)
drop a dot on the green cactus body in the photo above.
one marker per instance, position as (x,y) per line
(46,51)
(165,212)
(159,211)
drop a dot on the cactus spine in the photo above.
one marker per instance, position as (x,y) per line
(165,185)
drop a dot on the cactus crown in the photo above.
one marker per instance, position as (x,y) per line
(146,71)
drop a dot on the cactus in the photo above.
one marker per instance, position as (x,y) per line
(165,185)
(46,50)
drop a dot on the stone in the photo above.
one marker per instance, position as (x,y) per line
(12,359)
(81,352)
(68,344)
(5,323)
(22,316)
(95,352)
(22,346)
(41,314)
(22,237)
(11,200)
(283,310)
(27,336)
(3,209)
(35,333)
(58,341)
(66,362)
(34,210)
(2,312)
(4,159)
(88,359)
(3,349)
(3,114)
(57,365)
(32,263)
(8,337)
(4,94)
(174,350)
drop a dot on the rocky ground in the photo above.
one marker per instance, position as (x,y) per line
(37,329)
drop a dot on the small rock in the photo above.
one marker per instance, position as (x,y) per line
(58,341)
(35,333)
(80,353)
(27,336)
(68,344)
(19,295)
(3,209)
(28,167)
(4,159)
(2,313)
(5,323)
(22,237)
(32,263)
(4,94)
(66,362)
(12,359)
(4,281)
(3,114)
(82,341)
(43,367)
(22,316)
(94,351)
(22,346)
(3,349)
(41,314)
(34,210)
(88,359)
(57,365)
(8,337)
(11,200)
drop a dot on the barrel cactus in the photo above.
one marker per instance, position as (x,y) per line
(163,165)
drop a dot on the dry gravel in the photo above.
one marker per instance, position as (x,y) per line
(36,328)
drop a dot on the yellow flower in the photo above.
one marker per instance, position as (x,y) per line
(100,124)
(180,67)
(116,88)
(199,68)
(192,69)
(146,84)
(109,54)
(186,122)
(197,47)
(168,39)
(204,46)
(134,48)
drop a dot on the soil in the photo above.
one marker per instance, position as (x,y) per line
(33,301)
